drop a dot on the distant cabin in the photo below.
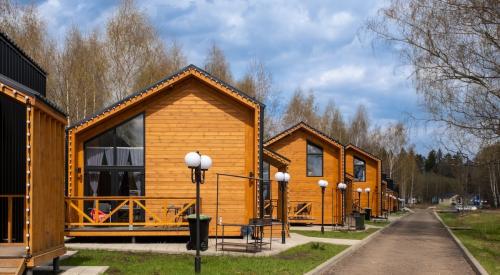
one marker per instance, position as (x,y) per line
(126,171)
(313,156)
(31,164)
(366,171)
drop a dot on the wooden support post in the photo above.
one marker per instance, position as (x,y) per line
(96,211)
(130,213)
(9,219)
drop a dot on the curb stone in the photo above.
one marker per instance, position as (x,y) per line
(322,268)
(478,268)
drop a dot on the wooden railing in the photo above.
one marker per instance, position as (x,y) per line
(10,207)
(270,208)
(128,211)
(300,210)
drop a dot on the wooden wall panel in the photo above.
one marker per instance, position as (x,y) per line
(47,185)
(373,181)
(192,116)
(304,188)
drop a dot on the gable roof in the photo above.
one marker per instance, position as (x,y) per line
(361,151)
(308,128)
(155,88)
(275,156)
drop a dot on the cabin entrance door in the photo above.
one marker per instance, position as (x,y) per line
(12,170)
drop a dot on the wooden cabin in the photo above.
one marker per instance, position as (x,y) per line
(32,165)
(126,171)
(366,171)
(313,156)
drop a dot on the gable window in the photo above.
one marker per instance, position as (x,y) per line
(314,160)
(114,161)
(359,169)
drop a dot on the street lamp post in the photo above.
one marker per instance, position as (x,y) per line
(367,191)
(282,179)
(359,190)
(342,186)
(198,165)
(323,184)
(368,210)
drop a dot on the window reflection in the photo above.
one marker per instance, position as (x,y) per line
(359,169)
(314,160)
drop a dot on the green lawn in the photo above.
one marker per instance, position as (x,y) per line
(483,237)
(296,260)
(354,235)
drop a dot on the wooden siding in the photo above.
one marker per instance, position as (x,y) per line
(372,179)
(44,178)
(189,116)
(304,188)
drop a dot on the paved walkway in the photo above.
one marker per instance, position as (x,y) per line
(416,244)
(180,248)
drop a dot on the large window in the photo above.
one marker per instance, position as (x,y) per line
(314,160)
(266,176)
(359,169)
(114,161)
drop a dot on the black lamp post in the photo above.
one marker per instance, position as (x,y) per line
(359,190)
(198,165)
(367,191)
(323,184)
(282,179)
(342,186)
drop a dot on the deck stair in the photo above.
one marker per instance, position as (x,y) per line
(12,266)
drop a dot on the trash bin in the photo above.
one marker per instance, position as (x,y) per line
(360,221)
(204,224)
(368,214)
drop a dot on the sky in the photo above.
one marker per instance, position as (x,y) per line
(316,45)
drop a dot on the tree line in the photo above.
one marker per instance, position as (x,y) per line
(92,70)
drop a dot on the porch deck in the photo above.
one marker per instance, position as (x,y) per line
(12,251)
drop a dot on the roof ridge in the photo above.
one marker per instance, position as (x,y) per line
(310,128)
(364,150)
(159,82)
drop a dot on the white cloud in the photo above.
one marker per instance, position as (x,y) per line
(341,75)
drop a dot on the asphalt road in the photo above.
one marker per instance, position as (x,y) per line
(416,244)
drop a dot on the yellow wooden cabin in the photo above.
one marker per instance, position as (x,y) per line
(313,156)
(366,171)
(126,171)
(31,165)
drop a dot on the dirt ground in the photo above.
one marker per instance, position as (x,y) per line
(416,244)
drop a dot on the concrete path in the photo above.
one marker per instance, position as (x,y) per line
(416,244)
(180,248)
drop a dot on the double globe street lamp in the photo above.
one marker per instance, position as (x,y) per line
(342,187)
(198,165)
(282,179)
(323,184)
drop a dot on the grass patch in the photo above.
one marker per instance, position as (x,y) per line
(354,235)
(296,260)
(483,237)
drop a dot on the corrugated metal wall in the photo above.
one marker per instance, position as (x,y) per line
(12,162)
(18,67)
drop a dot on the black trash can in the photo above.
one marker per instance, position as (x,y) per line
(368,214)
(360,221)
(204,224)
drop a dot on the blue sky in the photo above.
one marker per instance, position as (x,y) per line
(317,45)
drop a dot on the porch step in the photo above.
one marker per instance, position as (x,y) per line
(12,266)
